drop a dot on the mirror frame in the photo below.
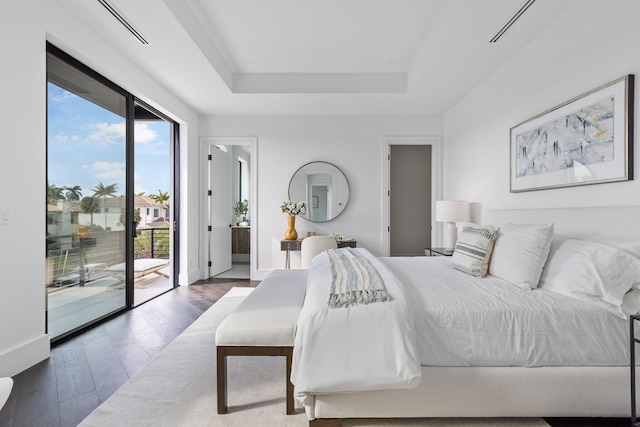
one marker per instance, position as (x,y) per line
(339,175)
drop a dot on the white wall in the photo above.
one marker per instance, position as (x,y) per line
(352,143)
(25,26)
(593,43)
(22,297)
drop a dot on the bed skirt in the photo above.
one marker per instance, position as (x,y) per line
(559,391)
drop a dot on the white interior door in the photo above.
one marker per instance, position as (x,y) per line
(220,210)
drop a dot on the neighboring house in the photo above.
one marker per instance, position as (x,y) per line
(149,211)
(108,216)
(161,222)
(63,218)
(54,219)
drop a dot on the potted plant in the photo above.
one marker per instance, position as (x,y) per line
(240,210)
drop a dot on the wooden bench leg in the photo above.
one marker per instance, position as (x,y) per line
(221,380)
(291,409)
(221,358)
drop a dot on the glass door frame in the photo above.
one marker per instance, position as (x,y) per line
(130,228)
(174,231)
(74,63)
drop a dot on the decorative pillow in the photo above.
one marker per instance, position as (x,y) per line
(520,252)
(473,249)
(593,272)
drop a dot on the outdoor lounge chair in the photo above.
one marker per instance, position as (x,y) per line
(141,268)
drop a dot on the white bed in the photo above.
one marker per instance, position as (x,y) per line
(575,364)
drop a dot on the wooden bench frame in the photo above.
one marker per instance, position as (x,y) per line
(223,351)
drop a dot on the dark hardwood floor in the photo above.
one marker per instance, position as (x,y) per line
(84,371)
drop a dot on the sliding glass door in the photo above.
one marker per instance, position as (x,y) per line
(153,202)
(111,229)
(87,188)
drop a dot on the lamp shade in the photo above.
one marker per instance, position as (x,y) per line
(452,210)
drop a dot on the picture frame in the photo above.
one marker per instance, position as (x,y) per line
(586,140)
(314,201)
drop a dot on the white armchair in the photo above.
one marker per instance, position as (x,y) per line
(312,246)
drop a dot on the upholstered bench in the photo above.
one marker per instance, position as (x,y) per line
(264,324)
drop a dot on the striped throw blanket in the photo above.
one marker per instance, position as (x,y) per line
(354,280)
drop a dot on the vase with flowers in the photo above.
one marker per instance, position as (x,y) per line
(292,209)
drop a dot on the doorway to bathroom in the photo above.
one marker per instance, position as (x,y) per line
(231,209)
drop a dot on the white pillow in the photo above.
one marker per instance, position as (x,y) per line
(592,272)
(473,249)
(630,246)
(520,252)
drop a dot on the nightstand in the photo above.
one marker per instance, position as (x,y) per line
(437,252)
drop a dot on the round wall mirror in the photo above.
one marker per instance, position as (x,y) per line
(323,187)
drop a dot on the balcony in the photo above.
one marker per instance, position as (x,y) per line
(85,277)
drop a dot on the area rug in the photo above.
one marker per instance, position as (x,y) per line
(178,388)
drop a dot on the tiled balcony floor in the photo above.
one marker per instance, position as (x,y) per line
(72,306)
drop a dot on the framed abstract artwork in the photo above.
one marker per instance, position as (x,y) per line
(587,140)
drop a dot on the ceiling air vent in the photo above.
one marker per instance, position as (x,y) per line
(512,20)
(124,21)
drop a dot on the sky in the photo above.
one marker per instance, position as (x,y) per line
(86,147)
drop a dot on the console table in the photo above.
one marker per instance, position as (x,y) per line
(296,245)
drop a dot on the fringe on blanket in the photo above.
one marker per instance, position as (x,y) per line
(354,280)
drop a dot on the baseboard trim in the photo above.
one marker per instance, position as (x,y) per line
(24,356)
(189,278)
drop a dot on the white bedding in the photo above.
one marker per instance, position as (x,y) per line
(463,320)
(361,347)
(439,316)
(584,332)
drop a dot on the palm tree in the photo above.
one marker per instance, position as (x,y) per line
(162,198)
(89,205)
(54,194)
(137,218)
(73,193)
(104,191)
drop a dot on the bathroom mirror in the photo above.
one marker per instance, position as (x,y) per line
(324,187)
